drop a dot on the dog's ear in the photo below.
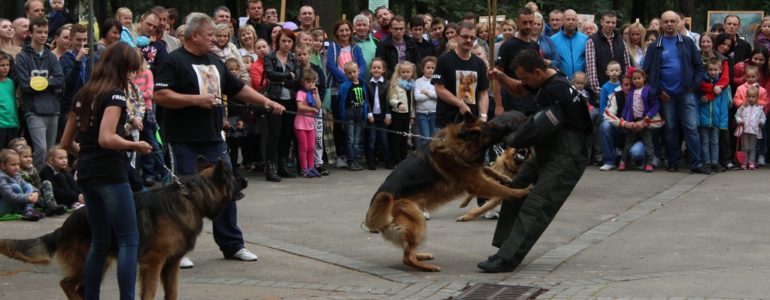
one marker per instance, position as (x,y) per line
(220,170)
(202,163)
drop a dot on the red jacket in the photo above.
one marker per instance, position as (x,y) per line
(707,87)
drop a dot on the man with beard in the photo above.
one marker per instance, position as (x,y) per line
(172,43)
(504,72)
(383,17)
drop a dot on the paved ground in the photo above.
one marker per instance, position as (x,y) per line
(621,234)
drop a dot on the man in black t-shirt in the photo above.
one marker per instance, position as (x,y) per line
(189,87)
(461,81)
(561,156)
(509,82)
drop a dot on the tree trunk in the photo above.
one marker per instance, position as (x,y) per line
(329,12)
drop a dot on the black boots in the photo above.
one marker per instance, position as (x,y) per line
(284,171)
(271,174)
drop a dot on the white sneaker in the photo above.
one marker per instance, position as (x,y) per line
(426,214)
(341,163)
(185,263)
(492,214)
(244,255)
(761,160)
(606,167)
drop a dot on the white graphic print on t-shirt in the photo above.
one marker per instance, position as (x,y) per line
(208,80)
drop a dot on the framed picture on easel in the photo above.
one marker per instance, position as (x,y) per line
(750,20)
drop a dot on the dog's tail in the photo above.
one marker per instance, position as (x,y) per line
(380,211)
(35,251)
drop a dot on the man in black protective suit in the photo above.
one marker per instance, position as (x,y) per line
(558,132)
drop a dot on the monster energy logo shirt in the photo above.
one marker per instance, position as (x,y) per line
(355,96)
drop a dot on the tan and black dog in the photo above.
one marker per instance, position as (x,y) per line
(506,164)
(433,177)
(169,220)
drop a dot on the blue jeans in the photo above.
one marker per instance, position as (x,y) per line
(709,139)
(682,110)
(612,137)
(353,121)
(8,207)
(377,140)
(427,123)
(184,159)
(110,208)
(152,163)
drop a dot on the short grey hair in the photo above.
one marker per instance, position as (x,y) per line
(361,18)
(196,21)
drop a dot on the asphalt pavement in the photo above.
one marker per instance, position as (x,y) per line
(620,235)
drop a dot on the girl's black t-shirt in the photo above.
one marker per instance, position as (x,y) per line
(98,165)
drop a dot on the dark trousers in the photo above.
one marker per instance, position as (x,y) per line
(377,140)
(184,158)
(338,129)
(280,132)
(7,134)
(152,163)
(398,143)
(555,171)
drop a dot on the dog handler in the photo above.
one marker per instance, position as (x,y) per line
(188,87)
(97,118)
(558,132)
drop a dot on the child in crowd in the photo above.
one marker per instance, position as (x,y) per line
(750,118)
(641,107)
(126,18)
(58,16)
(15,193)
(30,174)
(153,164)
(609,87)
(308,103)
(247,61)
(9,120)
(401,99)
(715,98)
(304,55)
(257,70)
(235,128)
(353,110)
(16,142)
(56,171)
(752,79)
(135,118)
(425,98)
(762,38)
(379,116)
(579,81)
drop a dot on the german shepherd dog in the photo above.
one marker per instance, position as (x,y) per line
(432,177)
(169,218)
(507,164)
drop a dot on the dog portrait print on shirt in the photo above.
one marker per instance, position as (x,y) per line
(466,86)
(208,80)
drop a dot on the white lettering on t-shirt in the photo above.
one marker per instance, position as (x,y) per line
(161,84)
(119,98)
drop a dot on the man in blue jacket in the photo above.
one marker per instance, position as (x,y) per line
(675,69)
(570,45)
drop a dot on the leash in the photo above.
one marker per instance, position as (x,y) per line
(357,124)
